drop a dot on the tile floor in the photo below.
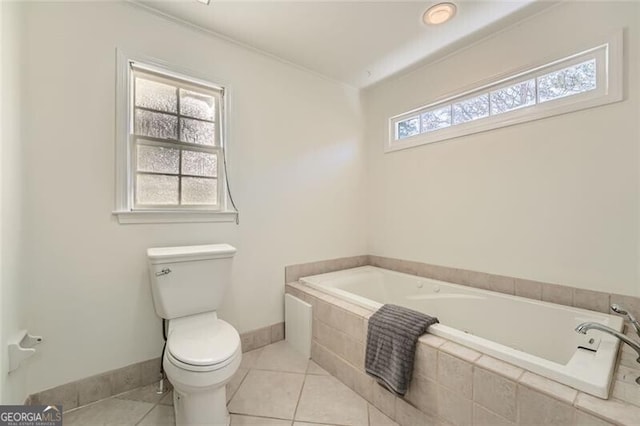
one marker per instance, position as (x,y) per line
(274,386)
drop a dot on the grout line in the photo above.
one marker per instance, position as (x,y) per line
(146,414)
(299,396)
(87,405)
(238,388)
(290,420)
(118,396)
(262,417)
(283,371)
(154,405)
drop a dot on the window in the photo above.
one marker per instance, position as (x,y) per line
(584,80)
(170,152)
(175,143)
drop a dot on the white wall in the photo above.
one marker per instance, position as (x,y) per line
(296,167)
(554,200)
(12,288)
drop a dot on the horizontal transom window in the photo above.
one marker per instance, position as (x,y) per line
(583,80)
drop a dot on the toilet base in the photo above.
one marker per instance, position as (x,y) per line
(206,408)
(200,398)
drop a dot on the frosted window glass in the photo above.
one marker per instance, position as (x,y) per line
(156,124)
(409,127)
(199,191)
(568,81)
(471,109)
(156,190)
(436,119)
(199,163)
(154,95)
(513,97)
(158,159)
(197,105)
(195,131)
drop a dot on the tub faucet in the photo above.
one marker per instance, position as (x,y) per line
(634,322)
(586,326)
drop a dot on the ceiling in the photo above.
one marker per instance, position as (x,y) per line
(356,42)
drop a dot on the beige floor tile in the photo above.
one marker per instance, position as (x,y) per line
(144,394)
(167,399)
(160,415)
(234,384)
(238,420)
(112,411)
(281,356)
(310,424)
(326,400)
(376,418)
(268,394)
(249,358)
(314,368)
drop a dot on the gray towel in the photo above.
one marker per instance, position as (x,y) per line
(391,345)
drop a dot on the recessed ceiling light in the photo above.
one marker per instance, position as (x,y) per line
(439,13)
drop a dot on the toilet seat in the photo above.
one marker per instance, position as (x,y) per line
(200,368)
(204,344)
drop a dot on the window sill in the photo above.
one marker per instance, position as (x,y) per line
(131,217)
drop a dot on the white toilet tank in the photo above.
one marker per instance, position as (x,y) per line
(189,280)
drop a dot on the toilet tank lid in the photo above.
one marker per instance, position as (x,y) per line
(188,253)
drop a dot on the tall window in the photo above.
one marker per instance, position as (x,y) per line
(583,80)
(176,149)
(170,150)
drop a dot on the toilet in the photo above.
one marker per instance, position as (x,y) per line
(202,352)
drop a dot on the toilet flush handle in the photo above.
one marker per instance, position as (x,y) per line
(165,271)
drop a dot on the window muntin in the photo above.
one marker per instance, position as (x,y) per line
(471,109)
(435,119)
(409,127)
(519,95)
(568,81)
(175,143)
(579,81)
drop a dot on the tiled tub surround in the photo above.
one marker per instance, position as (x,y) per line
(627,369)
(452,384)
(534,335)
(82,392)
(293,273)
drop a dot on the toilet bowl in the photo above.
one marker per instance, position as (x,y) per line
(202,351)
(202,355)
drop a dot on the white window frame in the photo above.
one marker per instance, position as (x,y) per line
(609,75)
(125,208)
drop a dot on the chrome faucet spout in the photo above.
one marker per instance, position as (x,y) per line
(586,326)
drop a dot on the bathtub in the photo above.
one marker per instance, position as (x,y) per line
(534,335)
